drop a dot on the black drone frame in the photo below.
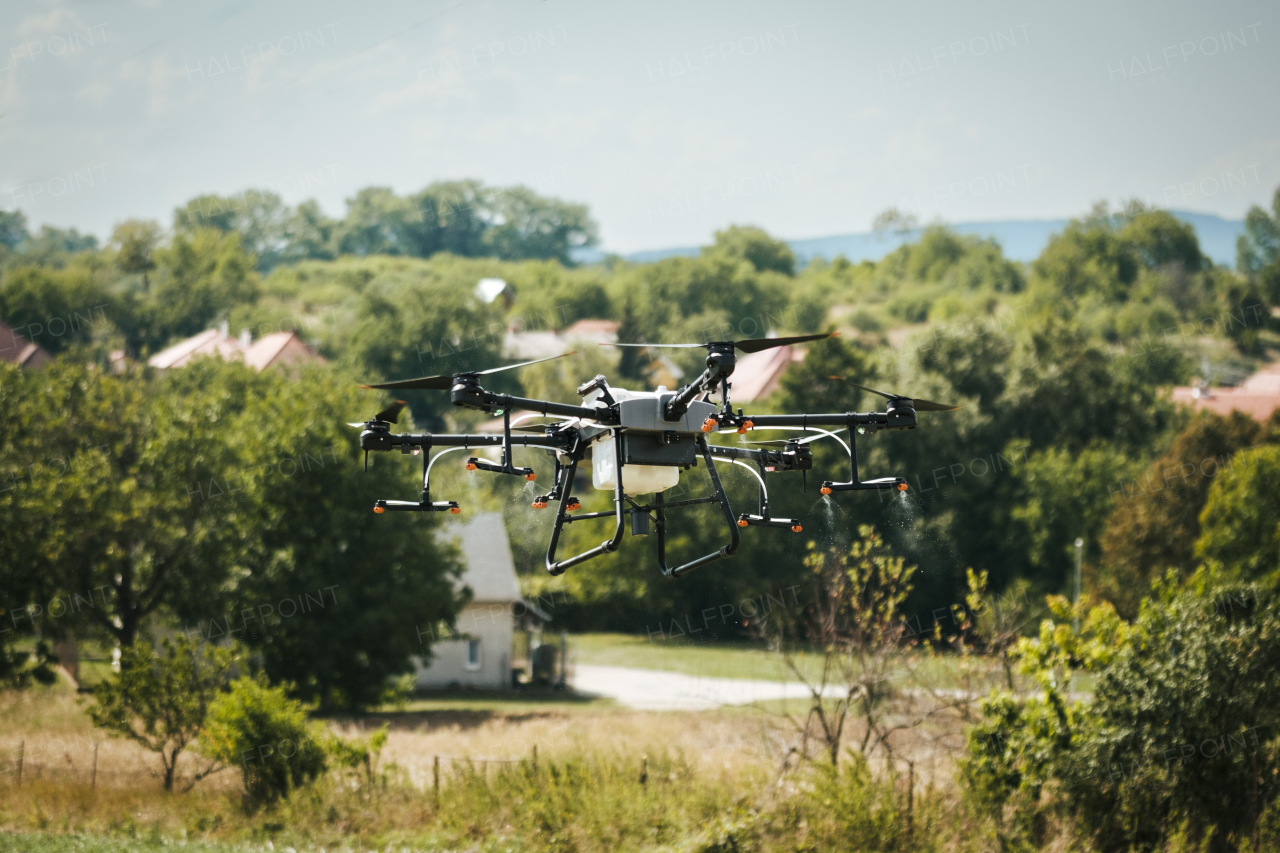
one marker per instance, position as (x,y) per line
(625,423)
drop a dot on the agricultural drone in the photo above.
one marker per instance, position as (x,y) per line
(637,443)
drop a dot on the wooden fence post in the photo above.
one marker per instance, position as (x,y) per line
(535,758)
(435,779)
(644,770)
(94,783)
(22,754)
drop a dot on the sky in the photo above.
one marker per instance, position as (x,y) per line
(670,120)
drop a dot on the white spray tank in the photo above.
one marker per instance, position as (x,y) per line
(636,479)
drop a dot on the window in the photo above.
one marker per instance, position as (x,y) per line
(473,654)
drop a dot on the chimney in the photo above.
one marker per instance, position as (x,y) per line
(246,338)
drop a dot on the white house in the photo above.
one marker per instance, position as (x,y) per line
(482,655)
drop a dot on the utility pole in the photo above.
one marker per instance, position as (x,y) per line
(1079,549)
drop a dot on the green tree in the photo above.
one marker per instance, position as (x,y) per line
(1259,246)
(56,308)
(161,700)
(342,599)
(110,497)
(136,241)
(1173,736)
(1240,524)
(756,247)
(200,276)
(522,224)
(1155,520)
(260,217)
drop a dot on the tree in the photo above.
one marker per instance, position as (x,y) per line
(340,599)
(1173,735)
(161,700)
(259,217)
(852,626)
(201,274)
(756,247)
(1155,520)
(522,224)
(13,228)
(1259,245)
(136,240)
(112,502)
(1240,524)
(56,308)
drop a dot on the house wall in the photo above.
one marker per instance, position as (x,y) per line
(493,624)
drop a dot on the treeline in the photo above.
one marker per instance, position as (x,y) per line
(1062,367)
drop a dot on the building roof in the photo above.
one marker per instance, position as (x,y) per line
(277,348)
(18,350)
(757,374)
(1258,396)
(486,553)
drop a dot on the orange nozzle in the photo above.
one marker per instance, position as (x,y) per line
(746,425)
(455,509)
(471,466)
(574,507)
(825,490)
(742,522)
(795,528)
(902,487)
(539,504)
(379,509)
(709,424)
(531,476)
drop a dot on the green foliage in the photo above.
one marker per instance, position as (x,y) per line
(1171,737)
(200,276)
(1241,518)
(105,472)
(259,217)
(55,308)
(754,246)
(161,700)
(259,728)
(1156,518)
(1259,246)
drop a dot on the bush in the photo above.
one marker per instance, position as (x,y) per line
(1175,739)
(268,734)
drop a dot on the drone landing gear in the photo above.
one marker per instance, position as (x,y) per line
(660,507)
(641,516)
(410,506)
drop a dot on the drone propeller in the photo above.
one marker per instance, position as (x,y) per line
(749,345)
(389,415)
(444,383)
(916,403)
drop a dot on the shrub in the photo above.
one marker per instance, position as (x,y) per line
(162,701)
(268,734)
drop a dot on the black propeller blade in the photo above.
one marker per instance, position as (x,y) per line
(916,403)
(389,415)
(444,383)
(749,345)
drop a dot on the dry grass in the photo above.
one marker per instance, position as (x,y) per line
(705,769)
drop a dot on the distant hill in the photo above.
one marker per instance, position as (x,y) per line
(1021,240)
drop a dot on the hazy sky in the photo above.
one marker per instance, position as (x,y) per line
(670,119)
